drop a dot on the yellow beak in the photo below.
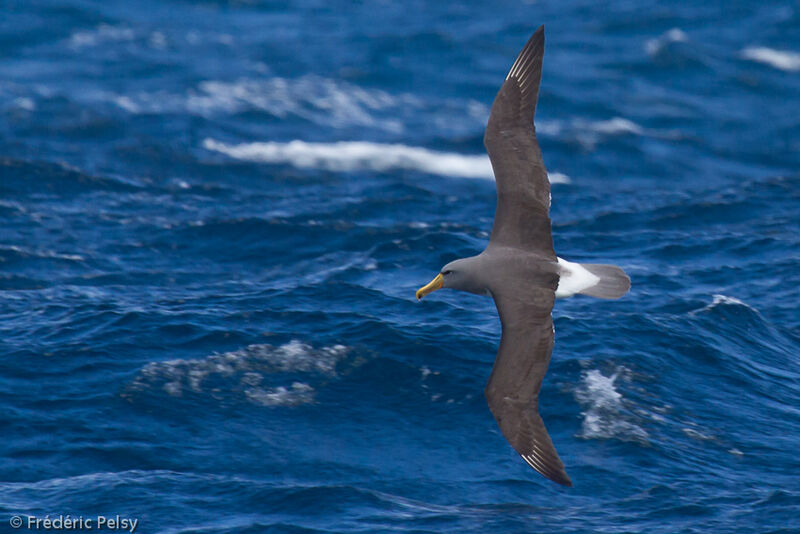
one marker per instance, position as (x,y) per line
(432,286)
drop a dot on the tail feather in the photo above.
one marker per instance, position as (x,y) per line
(613,281)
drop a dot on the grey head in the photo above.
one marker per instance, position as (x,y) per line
(463,275)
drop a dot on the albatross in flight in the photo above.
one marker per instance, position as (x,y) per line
(519,268)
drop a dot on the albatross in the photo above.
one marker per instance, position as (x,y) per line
(519,268)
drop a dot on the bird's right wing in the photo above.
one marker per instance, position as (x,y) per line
(513,389)
(522,218)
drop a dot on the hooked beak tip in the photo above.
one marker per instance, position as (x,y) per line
(434,284)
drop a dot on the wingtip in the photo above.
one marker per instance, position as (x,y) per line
(561,479)
(529,60)
(558,475)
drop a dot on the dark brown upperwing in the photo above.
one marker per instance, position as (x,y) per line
(522,218)
(513,388)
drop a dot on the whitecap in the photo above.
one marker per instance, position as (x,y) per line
(589,133)
(323,101)
(675,35)
(358,155)
(100,34)
(43,254)
(242,374)
(126,103)
(722,300)
(604,413)
(320,100)
(558,178)
(616,126)
(779,59)
(25,103)
(157,40)
(346,156)
(298,393)
(696,434)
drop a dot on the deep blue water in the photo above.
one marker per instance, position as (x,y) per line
(207,313)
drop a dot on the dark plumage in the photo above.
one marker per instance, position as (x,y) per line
(519,267)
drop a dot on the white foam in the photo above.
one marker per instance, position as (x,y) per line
(242,372)
(675,35)
(298,393)
(157,40)
(589,133)
(126,103)
(779,59)
(103,33)
(327,102)
(603,415)
(696,434)
(616,126)
(26,103)
(363,155)
(558,178)
(358,155)
(320,100)
(722,300)
(51,254)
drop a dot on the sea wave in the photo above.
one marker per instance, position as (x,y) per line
(589,133)
(654,46)
(325,101)
(103,33)
(779,59)
(723,300)
(604,413)
(243,373)
(363,155)
(15,252)
(321,100)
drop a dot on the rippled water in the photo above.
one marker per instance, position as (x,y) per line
(215,214)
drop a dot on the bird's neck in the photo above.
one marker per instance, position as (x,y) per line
(472,275)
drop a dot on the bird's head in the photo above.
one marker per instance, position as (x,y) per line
(458,274)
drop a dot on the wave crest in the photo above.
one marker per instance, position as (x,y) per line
(604,413)
(779,59)
(654,46)
(363,155)
(248,374)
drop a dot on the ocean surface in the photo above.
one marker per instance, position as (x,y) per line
(214,216)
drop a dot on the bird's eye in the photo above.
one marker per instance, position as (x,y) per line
(445,273)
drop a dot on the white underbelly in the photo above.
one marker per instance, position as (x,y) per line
(574,278)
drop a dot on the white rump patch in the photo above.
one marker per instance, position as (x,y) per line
(574,278)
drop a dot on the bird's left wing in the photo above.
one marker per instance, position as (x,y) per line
(522,218)
(513,389)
